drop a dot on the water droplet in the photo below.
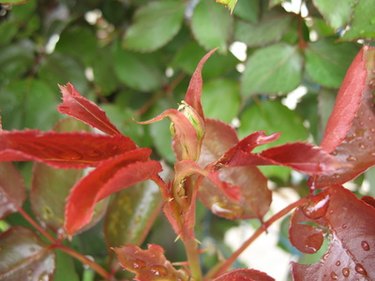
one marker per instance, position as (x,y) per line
(72,155)
(158,270)
(334,276)
(344,226)
(325,256)
(338,263)
(345,271)
(219,209)
(317,206)
(360,269)
(351,158)
(362,146)
(372,130)
(334,153)
(138,264)
(365,246)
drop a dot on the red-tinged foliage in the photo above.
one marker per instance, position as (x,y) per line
(244,275)
(352,230)
(84,110)
(250,186)
(62,150)
(109,177)
(186,144)
(24,256)
(12,189)
(148,265)
(369,200)
(194,91)
(350,133)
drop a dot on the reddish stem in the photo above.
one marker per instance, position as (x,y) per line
(222,267)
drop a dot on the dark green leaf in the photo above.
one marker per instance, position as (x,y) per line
(131,214)
(269,29)
(327,61)
(154,25)
(12,1)
(139,72)
(336,15)
(24,257)
(211,25)
(272,70)
(248,10)
(217,91)
(362,24)
(8,30)
(12,189)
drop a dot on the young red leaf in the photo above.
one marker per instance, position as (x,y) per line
(350,132)
(62,150)
(24,257)
(186,143)
(109,177)
(244,275)
(194,91)
(352,251)
(148,265)
(251,197)
(12,189)
(84,110)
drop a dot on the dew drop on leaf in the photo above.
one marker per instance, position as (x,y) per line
(365,245)
(351,158)
(317,207)
(158,270)
(333,276)
(138,264)
(360,269)
(346,272)
(344,226)
(338,263)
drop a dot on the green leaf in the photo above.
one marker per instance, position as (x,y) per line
(131,214)
(336,15)
(24,257)
(61,69)
(272,70)
(327,61)
(211,25)
(154,25)
(217,91)
(362,24)
(271,117)
(248,10)
(28,103)
(139,72)
(269,29)
(8,31)
(12,1)
(273,3)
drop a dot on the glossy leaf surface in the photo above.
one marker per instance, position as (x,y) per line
(244,275)
(342,13)
(12,189)
(148,265)
(109,177)
(131,214)
(81,108)
(24,257)
(352,226)
(62,150)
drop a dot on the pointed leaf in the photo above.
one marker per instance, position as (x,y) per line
(131,214)
(24,257)
(194,91)
(109,177)
(158,22)
(148,265)
(81,108)
(254,198)
(12,189)
(352,252)
(342,14)
(244,275)
(350,132)
(62,150)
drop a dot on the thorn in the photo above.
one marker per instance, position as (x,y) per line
(177,238)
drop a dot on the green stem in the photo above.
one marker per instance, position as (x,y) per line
(191,248)
(222,267)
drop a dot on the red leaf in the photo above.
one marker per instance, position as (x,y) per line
(109,177)
(250,196)
(84,110)
(194,91)
(148,265)
(185,140)
(244,275)
(352,251)
(62,150)
(350,133)
(12,189)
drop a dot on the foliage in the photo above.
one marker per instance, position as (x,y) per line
(99,176)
